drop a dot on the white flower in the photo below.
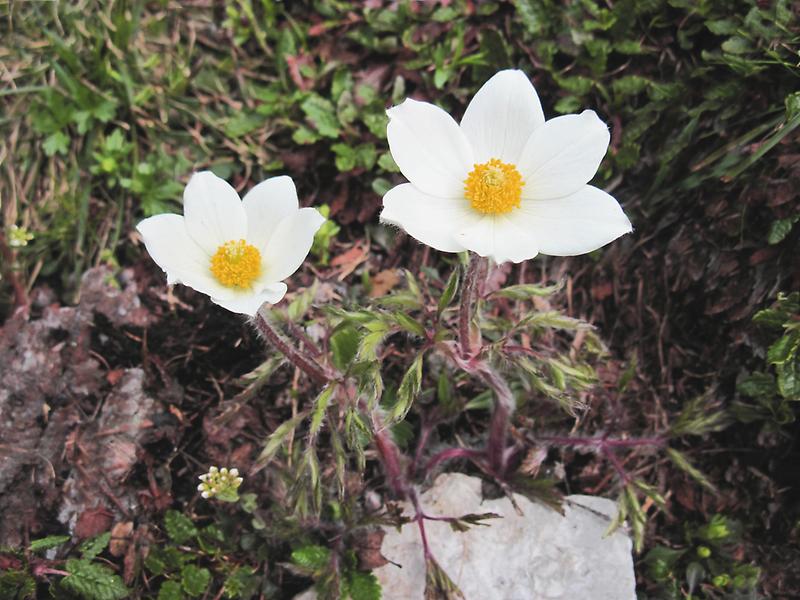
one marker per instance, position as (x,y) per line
(236,251)
(222,484)
(505,183)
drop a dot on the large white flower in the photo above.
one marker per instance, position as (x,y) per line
(236,251)
(505,183)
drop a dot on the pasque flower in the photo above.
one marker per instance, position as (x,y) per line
(236,251)
(504,183)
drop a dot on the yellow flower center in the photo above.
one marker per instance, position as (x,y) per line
(494,187)
(236,264)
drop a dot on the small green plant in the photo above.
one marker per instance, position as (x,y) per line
(704,567)
(354,584)
(324,236)
(776,390)
(86,577)
(194,558)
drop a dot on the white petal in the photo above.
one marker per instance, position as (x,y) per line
(563,155)
(429,147)
(290,243)
(266,205)
(502,116)
(575,224)
(214,214)
(248,304)
(431,220)
(171,247)
(500,237)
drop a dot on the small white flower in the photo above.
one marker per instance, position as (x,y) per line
(504,183)
(236,251)
(221,484)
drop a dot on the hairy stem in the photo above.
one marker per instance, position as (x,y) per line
(419,517)
(390,457)
(465,308)
(297,358)
(498,428)
(450,454)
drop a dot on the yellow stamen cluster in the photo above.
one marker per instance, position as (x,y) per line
(494,187)
(236,264)
(221,484)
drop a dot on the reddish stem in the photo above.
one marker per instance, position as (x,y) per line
(465,308)
(618,466)
(297,358)
(390,457)
(498,428)
(419,517)
(452,453)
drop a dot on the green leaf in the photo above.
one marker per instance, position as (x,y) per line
(438,584)
(320,406)
(180,528)
(771,317)
(277,437)
(302,302)
(630,85)
(195,580)
(242,583)
(51,541)
(553,320)
(346,157)
(758,385)
(344,345)
(408,324)
(683,463)
(322,114)
(363,586)
(661,554)
(783,349)
(303,135)
(311,557)
(789,380)
(242,124)
(17,585)
(695,573)
(94,546)
(56,143)
(386,162)
(93,582)
(780,229)
(170,590)
(526,290)
(449,291)
(165,560)
(408,390)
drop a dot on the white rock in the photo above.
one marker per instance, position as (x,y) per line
(539,555)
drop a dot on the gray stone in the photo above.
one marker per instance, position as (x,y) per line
(539,555)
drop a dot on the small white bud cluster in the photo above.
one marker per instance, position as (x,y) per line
(220,483)
(18,236)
